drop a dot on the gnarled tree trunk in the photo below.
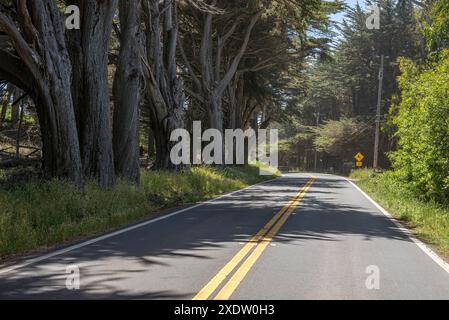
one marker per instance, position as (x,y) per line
(90,88)
(127,94)
(41,46)
(164,94)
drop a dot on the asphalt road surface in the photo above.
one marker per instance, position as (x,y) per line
(296,237)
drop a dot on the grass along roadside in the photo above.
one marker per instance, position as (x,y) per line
(36,214)
(428,220)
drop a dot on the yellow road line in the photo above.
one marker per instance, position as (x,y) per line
(213,284)
(240,274)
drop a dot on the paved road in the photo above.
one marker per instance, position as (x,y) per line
(319,239)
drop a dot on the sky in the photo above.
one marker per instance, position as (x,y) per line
(339,17)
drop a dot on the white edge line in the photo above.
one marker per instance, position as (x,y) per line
(432,254)
(126,229)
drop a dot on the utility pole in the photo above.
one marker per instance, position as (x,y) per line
(316,152)
(379,98)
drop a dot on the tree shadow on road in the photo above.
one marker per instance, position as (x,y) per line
(149,261)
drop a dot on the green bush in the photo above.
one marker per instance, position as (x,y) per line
(422,121)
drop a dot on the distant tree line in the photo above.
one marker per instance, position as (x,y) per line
(334,114)
(335,111)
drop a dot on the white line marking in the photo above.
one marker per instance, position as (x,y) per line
(115,233)
(432,254)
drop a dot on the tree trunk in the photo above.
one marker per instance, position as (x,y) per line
(61,157)
(90,88)
(19,129)
(163,144)
(5,103)
(15,108)
(236,95)
(127,94)
(213,82)
(241,101)
(48,65)
(216,112)
(164,95)
(151,143)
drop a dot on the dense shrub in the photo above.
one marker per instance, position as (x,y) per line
(422,121)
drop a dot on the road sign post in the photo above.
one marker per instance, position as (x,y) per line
(358,160)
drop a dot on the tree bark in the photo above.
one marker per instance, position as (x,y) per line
(42,49)
(151,143)
(164,94)
(5,102)
(19,129)
(127,94)
(90,88)
(15,108)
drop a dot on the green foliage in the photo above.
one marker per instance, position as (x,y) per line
(422,121)
(27,118)
(429,220)
(338,137)
(358,54)
(39,214)
(362,174)
(346,85)
(303,138)
(437,33)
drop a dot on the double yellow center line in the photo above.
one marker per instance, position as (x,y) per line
(260,240)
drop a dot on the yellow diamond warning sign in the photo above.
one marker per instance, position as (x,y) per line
(359,157)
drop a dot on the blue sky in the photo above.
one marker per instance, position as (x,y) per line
(352,3)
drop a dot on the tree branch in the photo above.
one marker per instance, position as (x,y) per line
(188,65)
(29,57)
(235,63)
(13,70)
(221,41)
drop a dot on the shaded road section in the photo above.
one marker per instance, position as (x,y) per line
(326,249)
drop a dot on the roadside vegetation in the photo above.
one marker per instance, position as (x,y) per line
(38,213)
(416,188)
(421,119)
(428,219)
